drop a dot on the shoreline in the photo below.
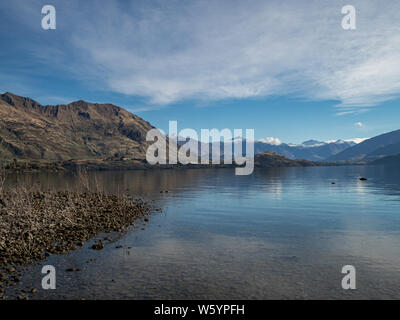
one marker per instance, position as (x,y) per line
(25,166)
(37,224)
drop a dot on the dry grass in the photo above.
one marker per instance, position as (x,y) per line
(2,175)
(35,224)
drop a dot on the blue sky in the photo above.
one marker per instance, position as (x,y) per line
(286,69)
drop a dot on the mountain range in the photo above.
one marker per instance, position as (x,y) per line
(311,150)
(85,130)
(372,149)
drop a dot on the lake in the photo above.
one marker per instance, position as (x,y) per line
(280,233)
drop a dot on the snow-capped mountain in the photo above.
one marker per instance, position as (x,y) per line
(312,150)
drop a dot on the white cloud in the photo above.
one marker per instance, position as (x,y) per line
(356,140)
(271,140)
(211,50)
(359,124)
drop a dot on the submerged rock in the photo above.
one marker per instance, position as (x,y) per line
(98,246)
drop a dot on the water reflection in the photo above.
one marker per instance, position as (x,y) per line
(279,233)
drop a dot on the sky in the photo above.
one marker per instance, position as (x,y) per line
(286,69)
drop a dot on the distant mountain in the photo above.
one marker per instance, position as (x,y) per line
(273,160)
(311,150)
(312,143)
(79,130)
(391,149)
(389,160)
(371,149)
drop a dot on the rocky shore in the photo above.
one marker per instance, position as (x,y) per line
(34,225)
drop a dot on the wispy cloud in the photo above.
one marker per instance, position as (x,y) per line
(343,111)
(213,50)
(141,109)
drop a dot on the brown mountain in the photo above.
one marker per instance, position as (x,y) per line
(79,130)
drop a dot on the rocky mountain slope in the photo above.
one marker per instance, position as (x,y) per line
(375,148)
(389,160)
(79,130)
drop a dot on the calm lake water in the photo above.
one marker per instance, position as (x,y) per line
(277,234)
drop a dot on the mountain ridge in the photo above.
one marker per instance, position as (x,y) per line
(311,150)
(80,129)
(84,130)
(308,150)
(371,149)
